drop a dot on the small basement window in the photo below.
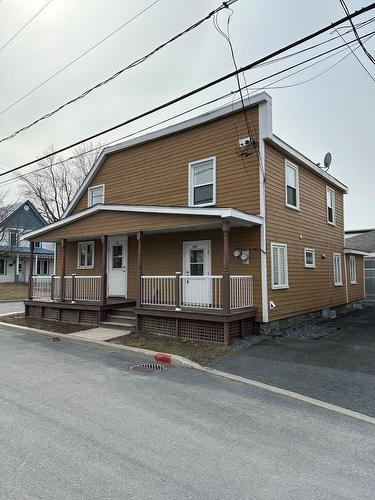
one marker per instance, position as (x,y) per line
(85,258)
(202,182)
(330,205)
(291,185)
(337,272)
(352,270)
(95,195)
(309,257)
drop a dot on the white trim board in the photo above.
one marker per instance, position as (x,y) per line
(224,213)
(172,129)
(356,252)
(286,148)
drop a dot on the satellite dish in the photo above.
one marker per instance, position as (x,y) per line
(327,160)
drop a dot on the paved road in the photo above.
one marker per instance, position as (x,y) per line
(77,424)
(339,369)
(11,307)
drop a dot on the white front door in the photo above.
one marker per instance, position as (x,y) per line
(197,264)
(117,266)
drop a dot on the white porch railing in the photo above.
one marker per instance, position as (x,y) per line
(241,292)
(76,288)
(197,292)
(158,290)
(201,292)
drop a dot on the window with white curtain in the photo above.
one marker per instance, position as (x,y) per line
(291,185)
(352,270)
(337,271)
(279,265)
(85,257)
(202,182)
(330,205)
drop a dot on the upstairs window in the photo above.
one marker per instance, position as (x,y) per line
(13,238)
(352,270)
(337,272)
(291,185)
(85,258)
(279,266)
(95,195)
(330,206)
(202,183)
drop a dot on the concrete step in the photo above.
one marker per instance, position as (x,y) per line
(126,327)
(121,318)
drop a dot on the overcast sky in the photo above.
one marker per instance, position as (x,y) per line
(334,112)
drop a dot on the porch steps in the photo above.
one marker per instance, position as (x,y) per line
(123,318)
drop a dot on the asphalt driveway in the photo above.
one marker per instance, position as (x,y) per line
(77,424)
(339,368)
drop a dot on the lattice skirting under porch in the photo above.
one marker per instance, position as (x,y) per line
(195,329)
(66,315)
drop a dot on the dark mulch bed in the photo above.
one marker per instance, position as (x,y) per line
(44,324)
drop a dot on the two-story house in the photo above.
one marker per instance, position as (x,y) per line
(207,227)
(18,219)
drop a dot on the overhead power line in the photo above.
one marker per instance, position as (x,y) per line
(228,94)
(118,73)
(346,10)
(358,59)
(25,25)
(83,54)
(204,87)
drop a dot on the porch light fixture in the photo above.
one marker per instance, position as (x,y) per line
(243,255)
(237,253)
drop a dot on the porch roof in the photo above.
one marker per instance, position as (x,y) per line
(114,219)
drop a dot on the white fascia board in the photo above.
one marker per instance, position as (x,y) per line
(280,144)
(355,252)
(224,213)
(157,134)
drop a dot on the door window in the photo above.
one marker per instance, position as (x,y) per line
(196,262)
(117,257)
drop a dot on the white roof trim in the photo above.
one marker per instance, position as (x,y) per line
(308,163)
(157,134)
(355,252)
(224,213)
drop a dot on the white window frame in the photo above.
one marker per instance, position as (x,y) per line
(289,164)
(329,189)
(5,266)
(193,164)
(39,263)
(85,243)
(337,282)
(353,270)
(311,250)
(286,285)
(90,190)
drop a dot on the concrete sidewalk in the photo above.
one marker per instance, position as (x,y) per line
(99,334)
(11,307)
(339,368)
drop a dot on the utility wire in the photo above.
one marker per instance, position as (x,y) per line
(25,25)
(232,93)
(90,49)
(205,86)
(346,10)
(115,75)
(355,55)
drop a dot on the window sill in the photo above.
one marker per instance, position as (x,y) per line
(353,283)
(293,207)
(204,205)
(88,267)
(307,266)
(331,223)
(280,287)
(338,284)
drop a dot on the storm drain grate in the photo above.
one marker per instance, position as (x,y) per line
(148,367)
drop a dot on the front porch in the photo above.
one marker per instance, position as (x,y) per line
(185,281)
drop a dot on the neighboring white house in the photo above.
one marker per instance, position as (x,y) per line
(363,240)
(17,220)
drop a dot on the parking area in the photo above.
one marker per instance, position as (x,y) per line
(338,368)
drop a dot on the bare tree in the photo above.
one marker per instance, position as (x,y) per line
(52,187)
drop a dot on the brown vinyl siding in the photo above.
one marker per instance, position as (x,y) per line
(156,173)
(309,289)
(355,291)
(163,255)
